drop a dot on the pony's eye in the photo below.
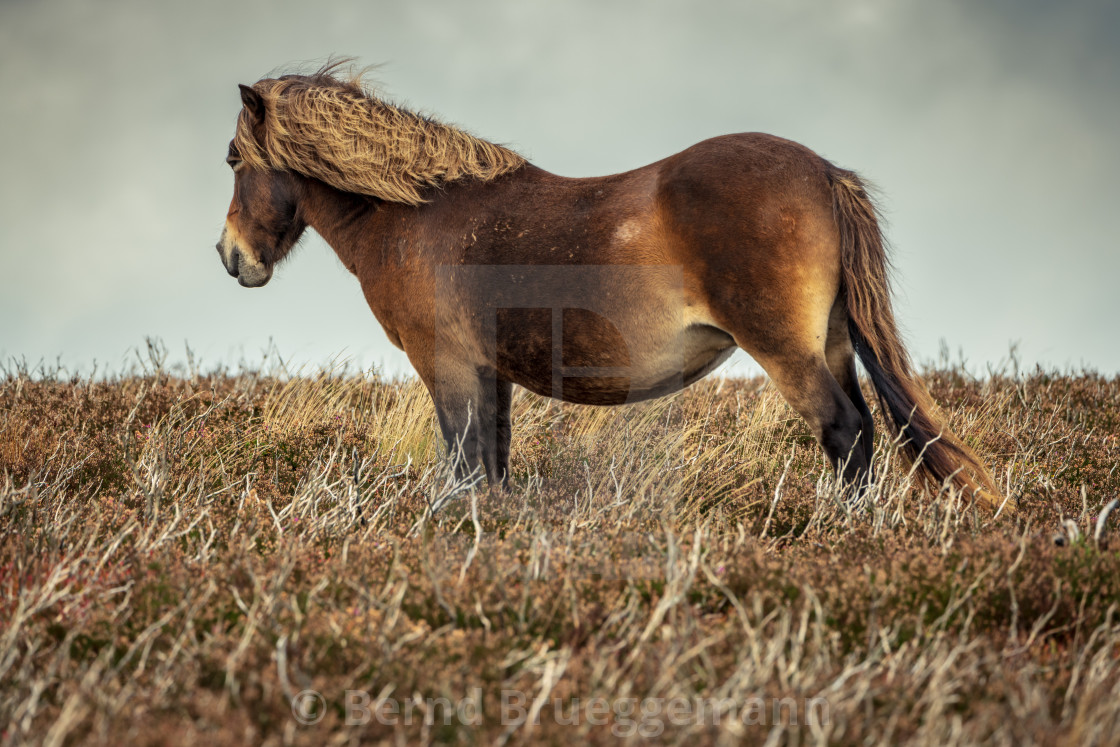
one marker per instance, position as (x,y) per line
(234,163)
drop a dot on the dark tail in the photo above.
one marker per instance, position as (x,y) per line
(907,406)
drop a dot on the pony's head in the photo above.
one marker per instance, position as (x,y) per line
(264,220)
(329,129)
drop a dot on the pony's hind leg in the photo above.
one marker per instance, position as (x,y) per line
(841,360)
(808,385)
(788,334)
(782,311)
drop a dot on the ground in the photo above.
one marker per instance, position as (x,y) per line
(248,556)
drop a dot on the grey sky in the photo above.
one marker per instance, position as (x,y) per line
(989,127)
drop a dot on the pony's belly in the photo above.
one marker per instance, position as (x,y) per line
(692,354)
(603,367)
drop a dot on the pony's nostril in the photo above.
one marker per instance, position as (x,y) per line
(234,260)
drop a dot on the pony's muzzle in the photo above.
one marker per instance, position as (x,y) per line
(241,264)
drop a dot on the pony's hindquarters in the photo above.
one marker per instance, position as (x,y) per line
(755,229)
(787,251)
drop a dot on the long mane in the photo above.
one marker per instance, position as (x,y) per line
(330,128)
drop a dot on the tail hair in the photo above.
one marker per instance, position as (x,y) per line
(907,406)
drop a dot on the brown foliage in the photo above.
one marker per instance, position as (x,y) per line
(181,556)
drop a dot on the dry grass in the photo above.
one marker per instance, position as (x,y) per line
(181,555)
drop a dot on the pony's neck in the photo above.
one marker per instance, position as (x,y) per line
(343,219)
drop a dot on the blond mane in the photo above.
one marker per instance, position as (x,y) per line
(331,129)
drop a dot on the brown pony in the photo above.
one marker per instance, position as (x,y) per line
(488,271)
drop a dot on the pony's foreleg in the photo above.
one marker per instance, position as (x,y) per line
(460,433)
(495,452)
(495,429)
(474,417)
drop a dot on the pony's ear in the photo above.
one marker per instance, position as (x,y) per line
(253,102)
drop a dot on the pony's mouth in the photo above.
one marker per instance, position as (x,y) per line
(249,274)
(255,279)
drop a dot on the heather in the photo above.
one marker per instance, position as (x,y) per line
(182,554)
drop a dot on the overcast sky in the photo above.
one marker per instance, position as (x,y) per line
(989,127)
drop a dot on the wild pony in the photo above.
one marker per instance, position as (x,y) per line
(488,271)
